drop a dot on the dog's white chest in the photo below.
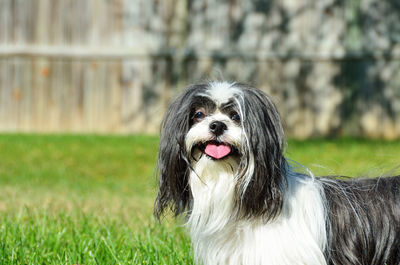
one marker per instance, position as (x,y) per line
(249,244)
(295,237)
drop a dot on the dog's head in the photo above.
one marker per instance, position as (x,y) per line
(222,121)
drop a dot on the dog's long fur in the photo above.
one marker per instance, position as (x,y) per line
(252,207)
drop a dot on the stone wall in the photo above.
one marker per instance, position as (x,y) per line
(332,66)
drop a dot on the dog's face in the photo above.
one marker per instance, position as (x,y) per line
(221,121)
(215,126)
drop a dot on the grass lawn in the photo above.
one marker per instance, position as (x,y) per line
(69,199)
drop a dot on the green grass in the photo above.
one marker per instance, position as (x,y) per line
(83,200)
(73,199)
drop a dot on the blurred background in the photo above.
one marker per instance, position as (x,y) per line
(111,66)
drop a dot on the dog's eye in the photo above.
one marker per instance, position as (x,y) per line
(235,117)
(199,116)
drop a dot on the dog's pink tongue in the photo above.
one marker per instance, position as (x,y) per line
(217,151)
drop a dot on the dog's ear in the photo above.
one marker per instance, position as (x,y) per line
(262,180)
(173,162)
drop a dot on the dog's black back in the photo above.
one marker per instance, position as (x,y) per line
(372,208)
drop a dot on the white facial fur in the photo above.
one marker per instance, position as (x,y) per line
(219,93)
(222,92)
(200,132)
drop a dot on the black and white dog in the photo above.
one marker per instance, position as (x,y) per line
(222,165)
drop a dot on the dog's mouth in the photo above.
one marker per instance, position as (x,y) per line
(217,150)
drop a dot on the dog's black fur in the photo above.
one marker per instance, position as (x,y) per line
(364,221)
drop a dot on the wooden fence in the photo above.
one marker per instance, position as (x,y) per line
(72,66)
(111,66)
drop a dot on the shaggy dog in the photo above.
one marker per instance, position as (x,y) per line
(222,165)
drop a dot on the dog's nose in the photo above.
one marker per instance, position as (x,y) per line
(218,127)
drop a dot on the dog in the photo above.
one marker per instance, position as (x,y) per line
(221,165)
